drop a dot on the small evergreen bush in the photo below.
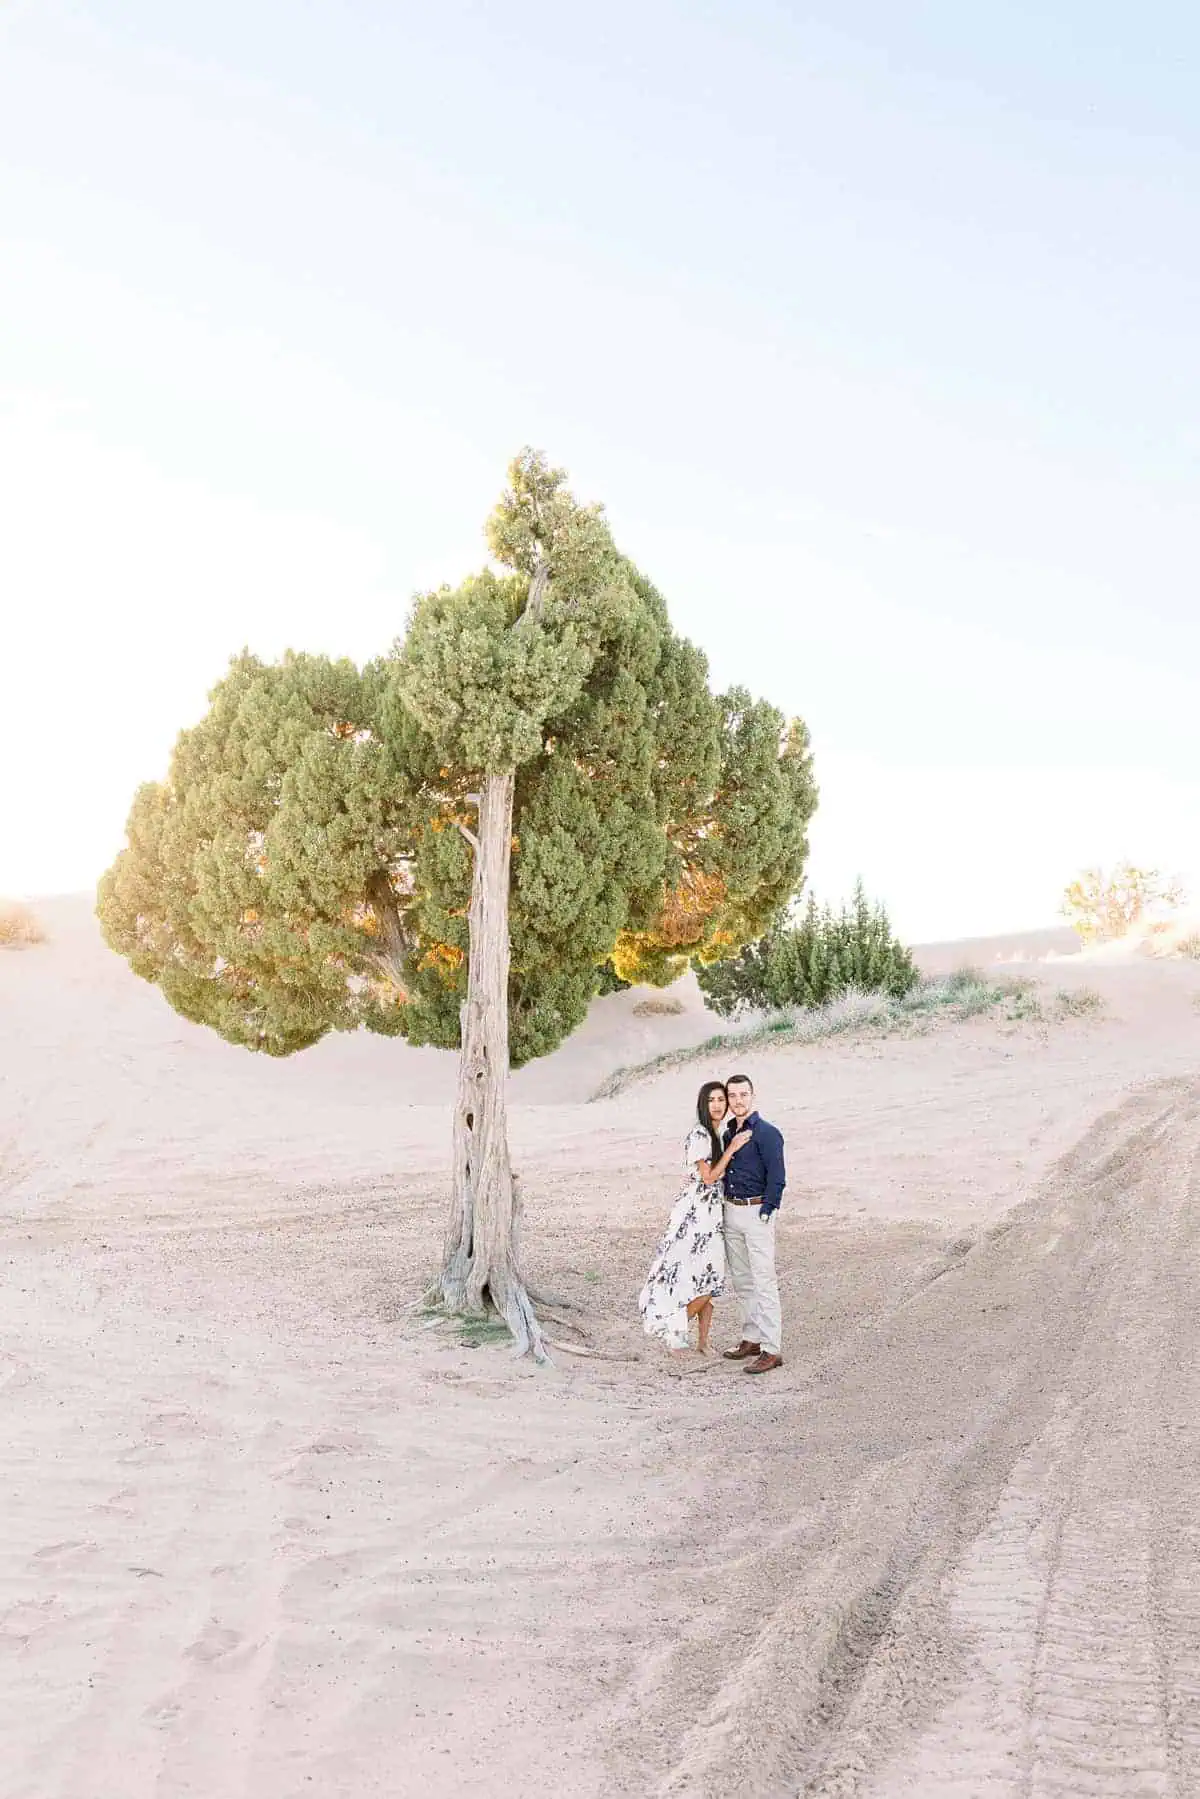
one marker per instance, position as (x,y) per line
(609,981)
(810,960)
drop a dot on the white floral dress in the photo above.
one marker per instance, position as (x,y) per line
(690,1260)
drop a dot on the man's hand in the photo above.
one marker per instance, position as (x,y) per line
(768,1209)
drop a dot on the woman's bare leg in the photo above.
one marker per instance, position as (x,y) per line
(702,1309)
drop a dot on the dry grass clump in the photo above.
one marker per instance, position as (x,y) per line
(18,926)
(658,1008)
(1078,1002)
(968,993)
(1189,947)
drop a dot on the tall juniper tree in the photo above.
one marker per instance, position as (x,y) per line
(450,844)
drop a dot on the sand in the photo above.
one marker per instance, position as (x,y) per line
(263,1534)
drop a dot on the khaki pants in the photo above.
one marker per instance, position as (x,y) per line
(750,1253)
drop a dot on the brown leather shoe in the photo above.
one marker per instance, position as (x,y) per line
(743,1351)
(764,1364)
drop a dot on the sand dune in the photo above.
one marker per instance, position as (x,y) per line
(261,1534)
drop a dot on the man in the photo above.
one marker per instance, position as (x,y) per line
(754,1183)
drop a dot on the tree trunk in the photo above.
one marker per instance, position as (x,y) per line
(480,1265)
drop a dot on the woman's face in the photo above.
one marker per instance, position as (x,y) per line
(718,1105)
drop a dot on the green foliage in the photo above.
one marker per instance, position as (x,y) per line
(810,960)
(738,839)
(303,868)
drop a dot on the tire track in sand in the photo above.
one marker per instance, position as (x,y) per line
(1077,1605)
(989,1591)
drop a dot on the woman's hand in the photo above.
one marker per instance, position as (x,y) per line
(711,1172)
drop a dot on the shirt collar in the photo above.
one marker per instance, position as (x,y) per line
(744,1124)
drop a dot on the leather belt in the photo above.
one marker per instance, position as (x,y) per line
(730,1201)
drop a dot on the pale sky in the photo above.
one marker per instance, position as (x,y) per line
(875,326)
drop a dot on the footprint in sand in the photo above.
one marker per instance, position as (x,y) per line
(60,1552)
(299,1466)
(118,1505)
(164,1713)
(140,1453)
(340,1442)
(180,1424)
(213,1644)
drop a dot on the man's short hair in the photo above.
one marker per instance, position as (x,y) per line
(739,1080)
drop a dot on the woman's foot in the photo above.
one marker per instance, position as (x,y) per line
(704,1326)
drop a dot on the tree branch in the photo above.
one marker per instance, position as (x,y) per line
(539,587)
(383,904)
(468,834)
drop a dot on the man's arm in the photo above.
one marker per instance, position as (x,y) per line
(770,1147)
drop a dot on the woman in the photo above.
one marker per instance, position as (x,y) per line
(688,1270)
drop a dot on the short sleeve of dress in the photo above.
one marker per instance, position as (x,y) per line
(698,1147)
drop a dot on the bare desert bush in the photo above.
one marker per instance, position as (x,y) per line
(18,926)
(1078,1002)
(1104,905)
(658,1008)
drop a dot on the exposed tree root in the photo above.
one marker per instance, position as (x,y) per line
(553,1301)
(594,1355)
(549,1315)
(528,1335)
(504,1298)
(523,1323)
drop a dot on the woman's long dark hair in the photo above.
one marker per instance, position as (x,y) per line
(708,1088)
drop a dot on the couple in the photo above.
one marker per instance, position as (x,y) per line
(726,1212)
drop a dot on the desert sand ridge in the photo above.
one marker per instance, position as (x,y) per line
(263,1534)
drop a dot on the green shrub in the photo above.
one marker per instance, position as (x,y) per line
(810,960)
(609,981)
(1025,1003)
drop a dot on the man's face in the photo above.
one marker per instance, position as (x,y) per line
(741,1098)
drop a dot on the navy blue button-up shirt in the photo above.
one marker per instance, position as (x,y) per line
(756,1171)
